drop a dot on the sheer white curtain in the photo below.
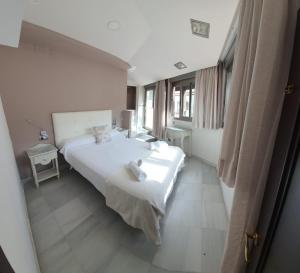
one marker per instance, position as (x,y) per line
(259,77)
(209,98)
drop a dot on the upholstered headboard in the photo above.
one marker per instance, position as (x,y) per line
(72,124)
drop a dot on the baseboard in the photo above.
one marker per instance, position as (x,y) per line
(27,179)
(212,164)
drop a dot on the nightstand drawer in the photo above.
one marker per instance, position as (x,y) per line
(44,159)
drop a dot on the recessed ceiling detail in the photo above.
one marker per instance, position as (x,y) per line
(180,65)
(200,28)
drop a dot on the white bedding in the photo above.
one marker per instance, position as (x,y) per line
(104,165)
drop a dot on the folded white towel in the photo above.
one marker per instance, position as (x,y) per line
(140,162)
(158,146)
(137,171)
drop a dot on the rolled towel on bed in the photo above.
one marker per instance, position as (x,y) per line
(158,145)
(137,171)
(139,162)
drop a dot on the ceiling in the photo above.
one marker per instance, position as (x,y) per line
(153,34)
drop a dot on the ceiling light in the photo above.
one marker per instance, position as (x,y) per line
(200,28)
(113,25)
(180,65)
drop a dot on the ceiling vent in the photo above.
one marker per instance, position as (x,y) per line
(180,65)
(200,28)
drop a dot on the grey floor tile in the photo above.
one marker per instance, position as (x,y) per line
(93,199)
(79,233)
(193,255)
(155,269)
(59,259)
(96,249)
(136,242)
(125,262)
(171,253)
(72,186)
(185,213)
(189,176)
(51,185)
(211,193)
(31,191)
(46,233)
(60,197)
(213,242)
(70,215)
(106,216)
(209,175)
(38,209)
(189,191)
(214,216)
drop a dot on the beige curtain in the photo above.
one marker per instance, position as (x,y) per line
(209,98)
(259,77)
(170,105)
(159,115)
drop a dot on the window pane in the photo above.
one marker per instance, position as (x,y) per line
(186,102)
(149,109)
(192,102)
(176,100)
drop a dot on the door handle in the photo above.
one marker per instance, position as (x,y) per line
(254,238)
(289,89)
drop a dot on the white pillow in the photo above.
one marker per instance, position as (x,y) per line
(101,134)
(77,141)
(115,135)
(108,136)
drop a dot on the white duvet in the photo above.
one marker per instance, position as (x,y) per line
(105,166)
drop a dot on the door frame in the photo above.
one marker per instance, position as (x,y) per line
(287,145)
(5,266)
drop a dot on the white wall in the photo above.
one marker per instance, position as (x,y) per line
(11,15)
(228,197)
(206,144)
(15,234)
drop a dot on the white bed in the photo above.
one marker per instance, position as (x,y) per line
(141,204)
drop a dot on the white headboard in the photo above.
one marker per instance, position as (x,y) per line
(72,124)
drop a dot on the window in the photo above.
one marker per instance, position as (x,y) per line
(149,104)
(183,99)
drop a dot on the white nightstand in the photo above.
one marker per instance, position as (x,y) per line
(175,132)
(43,154)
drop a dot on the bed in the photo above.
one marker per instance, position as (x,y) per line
(140,204)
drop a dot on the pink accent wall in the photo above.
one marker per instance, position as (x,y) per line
(52,73)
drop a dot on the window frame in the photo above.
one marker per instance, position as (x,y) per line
(183,84)
(147,89)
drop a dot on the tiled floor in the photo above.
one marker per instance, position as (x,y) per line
(75,232)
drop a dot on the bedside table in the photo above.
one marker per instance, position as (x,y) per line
(43,154)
